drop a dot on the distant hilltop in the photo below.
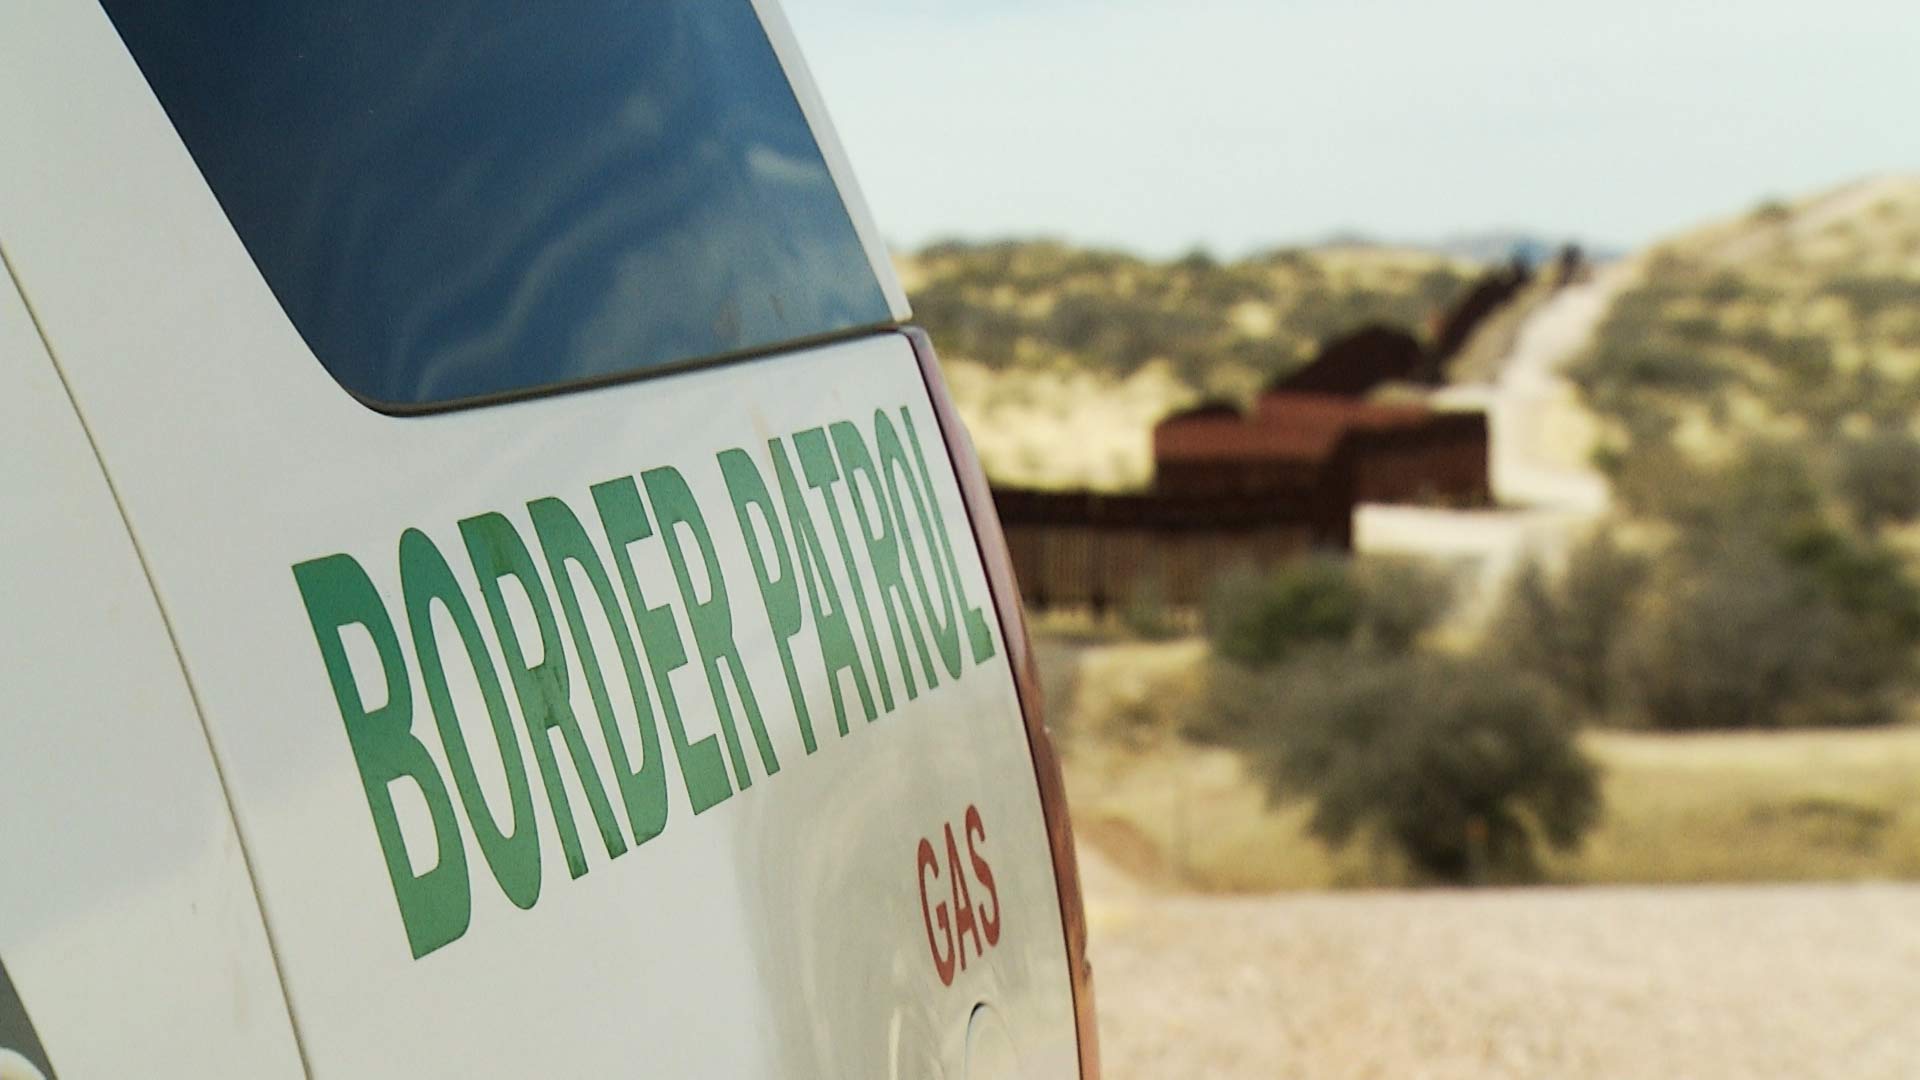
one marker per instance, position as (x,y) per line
(1481,246)
(1790,332)
(1224,327)
(1795,312)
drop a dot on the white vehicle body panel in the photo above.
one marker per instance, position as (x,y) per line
(779,933)
(121,879)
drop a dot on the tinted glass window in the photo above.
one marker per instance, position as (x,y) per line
(455,201)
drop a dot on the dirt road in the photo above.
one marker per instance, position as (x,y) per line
(1541,467)
(1800,982)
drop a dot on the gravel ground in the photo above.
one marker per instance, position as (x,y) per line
(1792,981)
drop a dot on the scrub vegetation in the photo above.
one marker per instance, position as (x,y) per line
(1717,683)
(1322,679)
(1178,810)
(1794,333)
(1061,358)
(1758,391)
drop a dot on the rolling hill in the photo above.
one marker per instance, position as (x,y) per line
(1791,331)
(1062,358)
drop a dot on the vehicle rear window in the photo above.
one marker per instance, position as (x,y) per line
(462,201)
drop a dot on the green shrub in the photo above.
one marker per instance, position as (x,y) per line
(1654,479)
(1728,646)
(1384,603)
(1880,478)
(1864,577)
(1571,629)
(1753,633)
(1146,613)
(1401,599)
(1461,767)
(1769,491)
(1725,287)
(1259,619)
(1870,294)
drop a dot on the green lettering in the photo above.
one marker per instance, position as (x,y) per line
(778,591)
(884,552)
(837,651)
(497,552)
(512,854)
(816,462)
(942,618)
(437,906)
(624,518)
(711,619)
(979,634)
(563,541)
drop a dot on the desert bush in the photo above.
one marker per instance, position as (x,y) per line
(1879,478)
(1770,490)
(1870,663)
(1382,603)
(1867,579)
(1767,613)
(1259,619)
(1401,599)
(1696,330)
(1651,477)
(1461,767)
(1128,331)
(1653,366)
(1440,287)
(1870,294)
(1817,630)
(1724,287)
(1803,358)
(1730,645)
(1146,613)
(1571,629)
(968,329)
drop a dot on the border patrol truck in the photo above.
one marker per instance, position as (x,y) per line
(492,583)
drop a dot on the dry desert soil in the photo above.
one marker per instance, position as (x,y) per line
(1701,982)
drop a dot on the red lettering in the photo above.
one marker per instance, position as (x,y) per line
(952,920)
(977,837)
(927,860)
(963,922)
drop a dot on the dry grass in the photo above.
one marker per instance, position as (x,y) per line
(1725,807)
(1062,359)
(1168,811)
(1793,321)
(1065,428)
(1755,806)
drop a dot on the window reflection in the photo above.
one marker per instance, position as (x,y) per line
(455,204)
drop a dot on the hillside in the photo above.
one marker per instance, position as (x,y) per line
(1061,358)
(1791,332)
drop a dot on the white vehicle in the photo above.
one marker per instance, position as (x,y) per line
(492,585)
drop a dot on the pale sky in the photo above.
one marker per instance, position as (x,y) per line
(1158,125)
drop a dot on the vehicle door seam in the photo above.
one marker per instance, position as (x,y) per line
(173,642)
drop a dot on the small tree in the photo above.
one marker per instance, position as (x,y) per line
(1811,630)
(1463,767)
(1769,490)
(1401,599)
(1259,619)
(1384,603)
(1146,613)
(1880,478)
(1731,643)
(1571,629)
